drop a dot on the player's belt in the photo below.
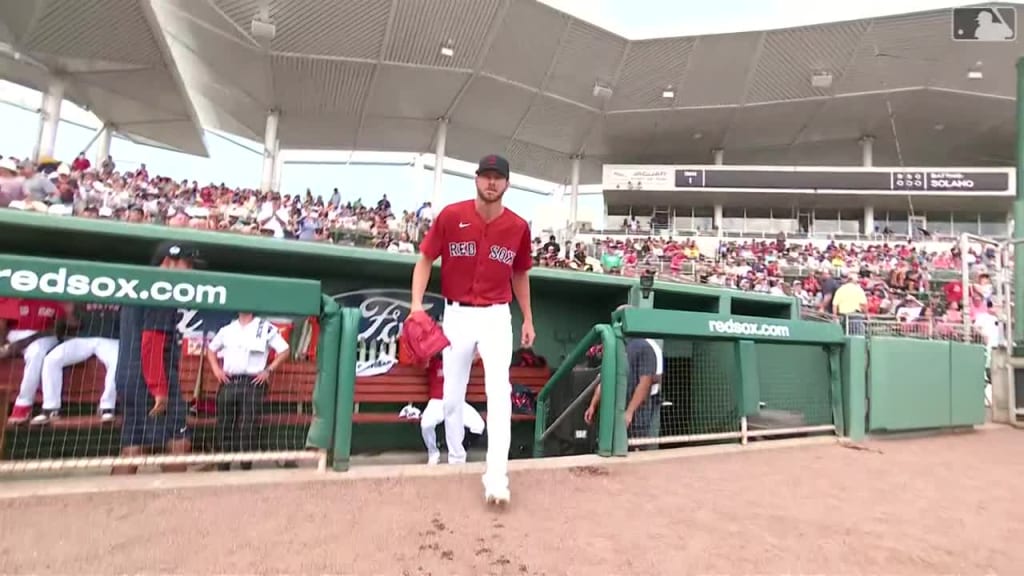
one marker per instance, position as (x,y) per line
(471,305)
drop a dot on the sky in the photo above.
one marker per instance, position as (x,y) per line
(642,19)
(238,162)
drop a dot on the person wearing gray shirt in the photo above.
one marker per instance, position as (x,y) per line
(643,409)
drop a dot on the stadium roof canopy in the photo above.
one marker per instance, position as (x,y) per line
(113,59)
(521,77)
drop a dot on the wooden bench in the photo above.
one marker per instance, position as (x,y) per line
(408,384)
(291,386)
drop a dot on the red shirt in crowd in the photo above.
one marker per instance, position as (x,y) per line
(31,314)
(477,257)
(953,291)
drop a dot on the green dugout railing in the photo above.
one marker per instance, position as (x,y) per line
(333,396)
(325,391)
(607,446)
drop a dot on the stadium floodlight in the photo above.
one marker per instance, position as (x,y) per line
(602,90)
(975,74)
(668,93)
(448,49)
(263,29)
(821,80)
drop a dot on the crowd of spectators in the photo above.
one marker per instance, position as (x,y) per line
(80,189)
(905,280)
(917,287)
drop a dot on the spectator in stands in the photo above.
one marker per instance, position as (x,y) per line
(27,327)
(94,331)
(240,357)
(81,163)
(149,352)
(274,218)
(849,301)
(10,182)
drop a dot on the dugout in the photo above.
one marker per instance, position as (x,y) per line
(567,304)
(295,420)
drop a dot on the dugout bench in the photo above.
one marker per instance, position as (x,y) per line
(288,399)
(406,384)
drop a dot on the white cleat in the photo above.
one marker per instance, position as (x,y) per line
(433,459)
(497,497)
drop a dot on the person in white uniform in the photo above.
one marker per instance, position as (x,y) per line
(96,328)
(433,414)
(238,356)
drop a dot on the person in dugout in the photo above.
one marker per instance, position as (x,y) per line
(244,376)
(27,330)
(91,330)
(433,413)
(149,352)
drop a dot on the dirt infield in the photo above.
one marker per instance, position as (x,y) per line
(946,504)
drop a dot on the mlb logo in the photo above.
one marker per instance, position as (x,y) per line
(988,24)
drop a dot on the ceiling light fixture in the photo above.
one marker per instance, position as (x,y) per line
(602,90)
(821,80)
(668,93)
(698,135)
(448,49)
(975,75)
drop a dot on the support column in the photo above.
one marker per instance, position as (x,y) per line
(103,145)
(417,180)
(1018,218)
(718,155)
(869,220)
(49,118)
(278,165)
(270,151)
(717,218)
(574,194)
(439,151)
(867,151)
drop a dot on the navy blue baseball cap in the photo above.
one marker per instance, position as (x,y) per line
(177,251)
(493,163)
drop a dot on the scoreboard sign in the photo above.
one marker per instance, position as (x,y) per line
(992,181)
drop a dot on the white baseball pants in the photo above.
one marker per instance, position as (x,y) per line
(74,351)
(487,330)
(433,415)
(33,355)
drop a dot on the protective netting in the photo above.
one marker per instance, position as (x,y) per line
(101,385)
(699,396)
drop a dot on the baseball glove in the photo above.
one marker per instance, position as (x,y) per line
(423,336)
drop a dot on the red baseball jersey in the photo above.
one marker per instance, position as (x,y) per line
(31,314)
(477,257)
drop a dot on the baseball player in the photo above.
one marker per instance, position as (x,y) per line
(96,328)
(485,259)
(433,413)
(27,327)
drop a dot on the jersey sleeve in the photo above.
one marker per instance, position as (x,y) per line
(433,241)
(217,343)
(158,326)
(524,255)
(277,342)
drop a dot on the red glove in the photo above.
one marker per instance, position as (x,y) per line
(423,336)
